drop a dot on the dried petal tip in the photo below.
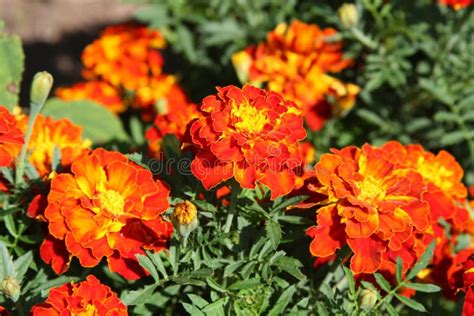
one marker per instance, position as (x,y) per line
(40,88)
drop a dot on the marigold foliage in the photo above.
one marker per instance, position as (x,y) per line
(106,206)
(295,61)
(89,297)
(249,134)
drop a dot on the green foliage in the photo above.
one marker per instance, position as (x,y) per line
(11,68)
(98,124)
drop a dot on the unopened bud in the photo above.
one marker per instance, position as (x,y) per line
(367,298)
(185,218)
(11,288)
(40,88)
(348,15)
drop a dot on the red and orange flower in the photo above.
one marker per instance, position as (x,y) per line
(89,297)
(11,138)
(172,118)
(94,90)
(249,134)
(372,206)
(456,4)
(295,61)
(125,55)
(106,206)
(49,134)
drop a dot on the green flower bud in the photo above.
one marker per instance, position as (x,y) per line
(367,298)
(11,288)
(348,15)
(40,88)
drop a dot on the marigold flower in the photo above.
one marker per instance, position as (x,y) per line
(89,297)
(456,4)
(49,134)
(94,90)
(294,61)
(370,205)
(11,138)
(251,135)
(185,212)
(125,55)
(3,311)
(172,118)
(106,206)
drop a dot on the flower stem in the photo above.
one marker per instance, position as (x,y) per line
(235,190)
(20,169)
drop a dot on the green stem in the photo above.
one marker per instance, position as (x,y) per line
(233,202)
(20,169)
(19,308)
(389,294)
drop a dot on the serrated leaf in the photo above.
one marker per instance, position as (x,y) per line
(422,287)
(6,262)
(229,269)
(156,258)
(21,265)
(197,300)
(138,297)
(192,310)
(423,262)
(350,279)
(215,308)
(148,265)
(274,233)
(245,284)
(288,202)
(98,123)
(282,301)
(410,303)
(382,282)
(216,286)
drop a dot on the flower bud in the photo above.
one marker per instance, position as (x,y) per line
(184,218)
(11,288)
(367,298)
(348,15)
(40,88)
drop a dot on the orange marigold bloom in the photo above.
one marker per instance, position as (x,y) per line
(106,206)
(11,138)
(47,135)
(3,311)
(125,55)
(456,4)
(294,61)
(173,118)
(249,134)
(94,90)
(89,297)
(371,205)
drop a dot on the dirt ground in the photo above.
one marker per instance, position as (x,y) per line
(54,32)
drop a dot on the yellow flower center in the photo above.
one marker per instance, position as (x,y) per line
(89,311)
(370,189)
(249,119)
(112,201)
(435,173)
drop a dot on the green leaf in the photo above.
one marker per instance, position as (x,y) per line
(371,117)
(391,310)
(291,201)
(423,262)
(229,269)
(192,310)
(444,116)
(399,270)
(350,279)
(11,69)
(382,282)
(6,264)
(410,303)
(244,284)
(453,138)
(21,265)
(156,258)
(97,122)
(216,308)
(197,300)
(422,287)
(273,232)
(283,301)
(216,286)
(148,265)
(138,297)
(137,130)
